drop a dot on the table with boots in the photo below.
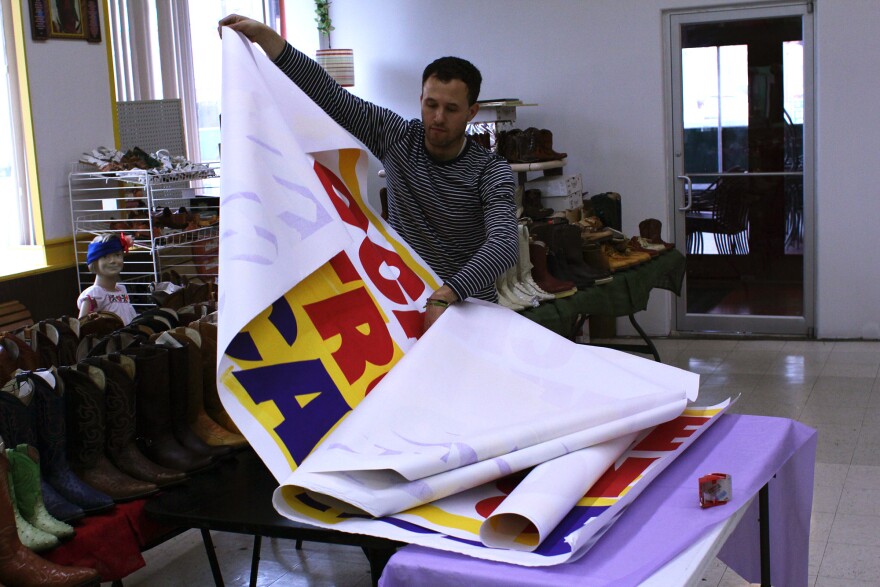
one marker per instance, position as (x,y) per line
(96,417)
(575,264)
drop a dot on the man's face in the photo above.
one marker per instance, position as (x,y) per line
(445,114)
(110,265)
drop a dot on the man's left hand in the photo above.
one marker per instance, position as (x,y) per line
(433,312)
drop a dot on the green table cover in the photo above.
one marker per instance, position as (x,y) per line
(627,294)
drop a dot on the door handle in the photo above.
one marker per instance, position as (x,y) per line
(688,193)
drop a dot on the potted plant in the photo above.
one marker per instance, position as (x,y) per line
(322,11)
(339,63)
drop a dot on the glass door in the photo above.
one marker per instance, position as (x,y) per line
(741,96)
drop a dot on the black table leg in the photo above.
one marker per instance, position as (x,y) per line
(255,559)
(648,342)
(378,558)
(764,521)
(212,557)
(647,348)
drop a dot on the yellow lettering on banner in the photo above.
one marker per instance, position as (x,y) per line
(323,286)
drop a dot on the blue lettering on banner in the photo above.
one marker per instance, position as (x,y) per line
(303,425)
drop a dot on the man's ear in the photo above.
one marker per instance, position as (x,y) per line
(473,109)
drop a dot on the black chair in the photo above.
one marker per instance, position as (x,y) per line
(723,210)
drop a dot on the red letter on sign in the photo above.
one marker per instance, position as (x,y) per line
(664,436)
(372,256)
(365,338)
(614,481)
(349,212)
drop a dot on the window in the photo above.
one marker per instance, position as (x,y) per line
(172,50)
(16,226)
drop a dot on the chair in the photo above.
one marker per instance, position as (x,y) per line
(13,316)
(724,212)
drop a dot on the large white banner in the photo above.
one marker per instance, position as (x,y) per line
(491,435)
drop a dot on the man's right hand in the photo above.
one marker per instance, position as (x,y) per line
(256,32)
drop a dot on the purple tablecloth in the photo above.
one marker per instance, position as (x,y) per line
(666,518)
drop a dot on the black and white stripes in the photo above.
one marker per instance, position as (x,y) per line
(458,215)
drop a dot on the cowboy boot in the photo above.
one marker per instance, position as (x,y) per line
(542,276)
(44,340)
(17,410)
(27,358)
(545,146)
(116,342)
(99,324)
(557,261)
(8,359)
(197,290)
(52,444)
(68,339)
(18,564)
(572,248)
(24,461)
(524,267)
(205,427)
(120,447)
(87,417)
(153,409)
(650,229)
(183,359)
(167,315)
(213,405)
(18,424)
(15,417)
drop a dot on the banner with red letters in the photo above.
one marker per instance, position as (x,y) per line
(458,445)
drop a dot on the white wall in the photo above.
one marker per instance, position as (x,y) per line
(848,171)
(596,70)
(71,110)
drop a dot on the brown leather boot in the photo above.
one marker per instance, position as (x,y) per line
(8,359)
(87,418)
(650,229)
(119,393)
(44,340)
(68,338)
(533,207)
(154,426)
(99,324)
(544,279)
(545,146)
(181,362)
(213,405)
(26,358)
(212,433)
(596,258)
(19,565)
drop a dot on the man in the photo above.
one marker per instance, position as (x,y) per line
(449,198)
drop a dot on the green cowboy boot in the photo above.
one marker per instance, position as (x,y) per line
(30,536)
(25,466)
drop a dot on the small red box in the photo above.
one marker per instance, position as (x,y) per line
(715,489)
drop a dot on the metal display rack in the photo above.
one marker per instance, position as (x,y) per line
(173,218)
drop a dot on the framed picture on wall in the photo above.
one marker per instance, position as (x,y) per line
(65,19)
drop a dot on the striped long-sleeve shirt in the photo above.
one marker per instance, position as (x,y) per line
(459,215)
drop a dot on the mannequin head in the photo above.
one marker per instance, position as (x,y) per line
(104,257)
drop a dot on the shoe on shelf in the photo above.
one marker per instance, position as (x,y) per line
(18,564)
(650,229)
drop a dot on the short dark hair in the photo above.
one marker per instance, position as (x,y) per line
(447,69)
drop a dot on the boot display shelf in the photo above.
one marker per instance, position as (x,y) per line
(493,117)
(172,217)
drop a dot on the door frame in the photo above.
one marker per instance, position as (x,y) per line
(676,187)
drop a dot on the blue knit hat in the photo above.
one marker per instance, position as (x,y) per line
(103,248)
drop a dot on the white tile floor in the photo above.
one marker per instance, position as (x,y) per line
(832,386)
